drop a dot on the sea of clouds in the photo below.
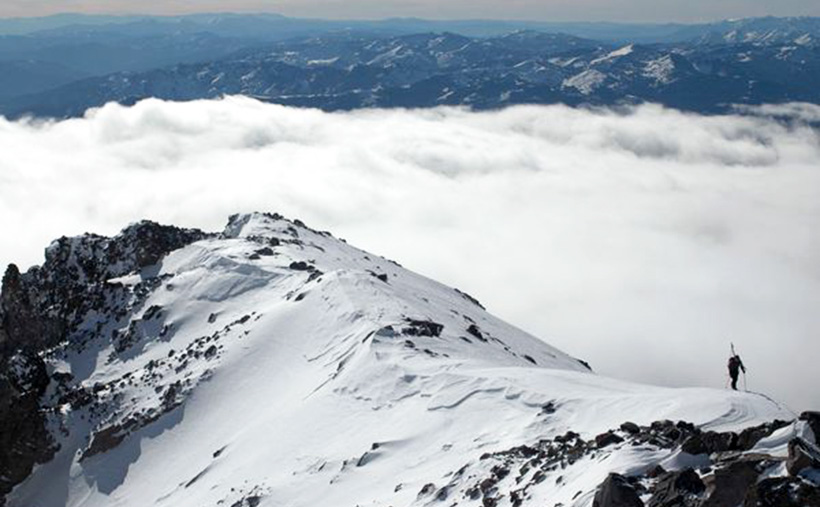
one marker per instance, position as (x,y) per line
(643,240)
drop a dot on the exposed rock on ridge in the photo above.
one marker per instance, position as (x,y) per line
(38,309)
(275,325)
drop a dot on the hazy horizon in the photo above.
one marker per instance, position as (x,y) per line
(636,11)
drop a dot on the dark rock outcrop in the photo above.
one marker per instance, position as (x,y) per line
(608,438)
(39,308)
(728,478)
(417,327)
(729,485)
(630,428)
(476,332)
(710,442)
(783,492)
(813,421)
(617,491)
(24,440)
(44,307)
(470,299)
(301,266)
(802,455)
(749,437)
(677,489)
(23,324)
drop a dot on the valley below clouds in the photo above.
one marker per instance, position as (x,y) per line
(641,240)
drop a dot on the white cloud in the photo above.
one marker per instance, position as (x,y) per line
(643,241)
(796,111)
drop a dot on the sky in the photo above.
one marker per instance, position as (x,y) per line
(545,10)
(643,250)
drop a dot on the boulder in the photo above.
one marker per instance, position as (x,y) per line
(813,421)
(608,438)
(666,432)
(656,472)
(476,332)
(677,489)
(729,486)
(631,428)
(709,442)
(301,266)
(749,437)
(616,491)
(423,328)
(783,492)
(802,455)
(687,427)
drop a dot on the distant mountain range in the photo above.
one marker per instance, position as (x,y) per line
(61,66)
(267,27)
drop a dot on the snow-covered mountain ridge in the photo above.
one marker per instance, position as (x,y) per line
(273,364)
(709,73)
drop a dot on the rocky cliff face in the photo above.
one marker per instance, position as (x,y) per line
(22,326)
(24,438)
(42,308)
(274,364)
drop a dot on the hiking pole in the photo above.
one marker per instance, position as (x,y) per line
(744,381)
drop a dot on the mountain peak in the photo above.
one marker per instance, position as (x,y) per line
(258,224)
(276,364)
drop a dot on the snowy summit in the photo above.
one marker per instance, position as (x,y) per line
(272,365)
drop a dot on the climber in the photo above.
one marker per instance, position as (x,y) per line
(735,365)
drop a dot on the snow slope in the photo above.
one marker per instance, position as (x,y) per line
(274,365)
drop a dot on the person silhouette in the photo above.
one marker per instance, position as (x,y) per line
(735,365)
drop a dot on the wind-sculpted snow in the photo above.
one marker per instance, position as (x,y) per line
(644,240)
(336,377)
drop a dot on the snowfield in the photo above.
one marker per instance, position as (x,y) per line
(274,365)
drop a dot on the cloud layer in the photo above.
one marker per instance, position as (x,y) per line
(643,241)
